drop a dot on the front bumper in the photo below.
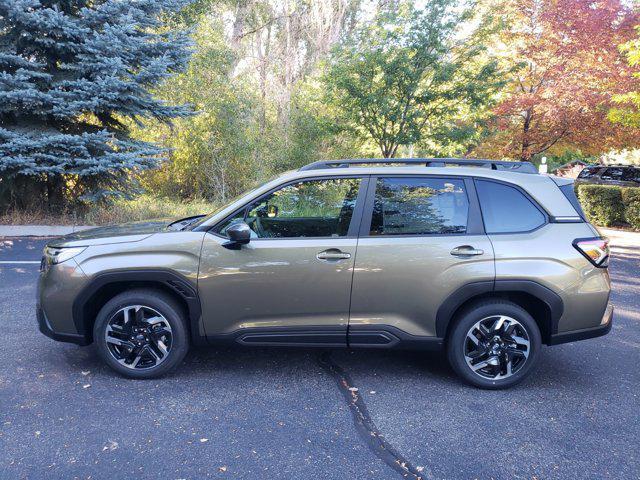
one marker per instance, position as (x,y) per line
(45,328)
(585,333)
(58,286)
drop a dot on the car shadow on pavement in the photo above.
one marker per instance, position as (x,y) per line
(404,366)
(258,360)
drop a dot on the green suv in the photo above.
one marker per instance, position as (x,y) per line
(485,263)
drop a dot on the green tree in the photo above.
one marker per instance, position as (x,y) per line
(410,74)
(236,137)
(211,151)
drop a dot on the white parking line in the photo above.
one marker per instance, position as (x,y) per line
(21,262)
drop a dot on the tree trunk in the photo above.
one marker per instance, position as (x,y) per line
(388,150)
(244,8)
(525,153)
(55,193)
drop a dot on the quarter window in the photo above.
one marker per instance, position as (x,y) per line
(507,210)
(310,208)
(419,206)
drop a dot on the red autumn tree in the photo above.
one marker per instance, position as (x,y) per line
(568,65)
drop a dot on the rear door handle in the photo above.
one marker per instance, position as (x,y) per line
(466,251)
(333,254)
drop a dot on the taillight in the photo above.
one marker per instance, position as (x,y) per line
(595,249)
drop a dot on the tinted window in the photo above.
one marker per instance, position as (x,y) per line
(612,174)
(589,172)
(312,208)
(506,209)
(631,174)
(419,206)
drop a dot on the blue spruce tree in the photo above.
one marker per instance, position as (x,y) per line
(72,73)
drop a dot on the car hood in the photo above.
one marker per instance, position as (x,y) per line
(126,232)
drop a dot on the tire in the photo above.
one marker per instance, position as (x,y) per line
(141,333)
(496,359)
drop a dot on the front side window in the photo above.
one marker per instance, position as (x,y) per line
(310,208)
(506,209)
(419,206)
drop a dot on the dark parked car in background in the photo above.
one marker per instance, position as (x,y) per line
(623,176)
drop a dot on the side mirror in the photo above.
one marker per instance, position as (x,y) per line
(239,234)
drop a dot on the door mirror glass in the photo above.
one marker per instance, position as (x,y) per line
(239,234)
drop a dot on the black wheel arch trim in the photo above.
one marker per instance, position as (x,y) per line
(167,279)
(465,293)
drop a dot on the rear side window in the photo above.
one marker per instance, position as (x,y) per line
(506,209)
(419,206)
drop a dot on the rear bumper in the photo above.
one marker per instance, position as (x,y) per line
(45,328)
(584,334)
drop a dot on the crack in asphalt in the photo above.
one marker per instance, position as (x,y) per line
(365,426)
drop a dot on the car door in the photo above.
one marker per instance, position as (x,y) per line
(421,239)
(291,284)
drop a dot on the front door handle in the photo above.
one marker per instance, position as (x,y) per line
(333,254)
(466,251)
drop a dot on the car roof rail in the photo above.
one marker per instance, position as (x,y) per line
(520,167)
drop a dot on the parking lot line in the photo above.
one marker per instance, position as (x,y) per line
(21,262)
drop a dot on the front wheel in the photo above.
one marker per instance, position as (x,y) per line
(141,333)
(494,344)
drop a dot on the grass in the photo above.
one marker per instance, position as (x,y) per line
(144,207)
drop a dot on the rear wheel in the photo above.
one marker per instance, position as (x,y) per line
(494,344)
(141,333)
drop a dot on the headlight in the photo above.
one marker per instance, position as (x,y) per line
(61,254)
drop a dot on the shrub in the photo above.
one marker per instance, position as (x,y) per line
(631,202)
(602,204)
(143,207)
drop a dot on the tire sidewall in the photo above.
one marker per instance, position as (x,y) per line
(455,344)
(162,304)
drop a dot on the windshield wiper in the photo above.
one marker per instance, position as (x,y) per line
(183,223)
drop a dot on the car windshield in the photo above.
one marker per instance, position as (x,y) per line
(227,203)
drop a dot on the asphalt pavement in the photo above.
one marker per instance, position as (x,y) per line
(318,414)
